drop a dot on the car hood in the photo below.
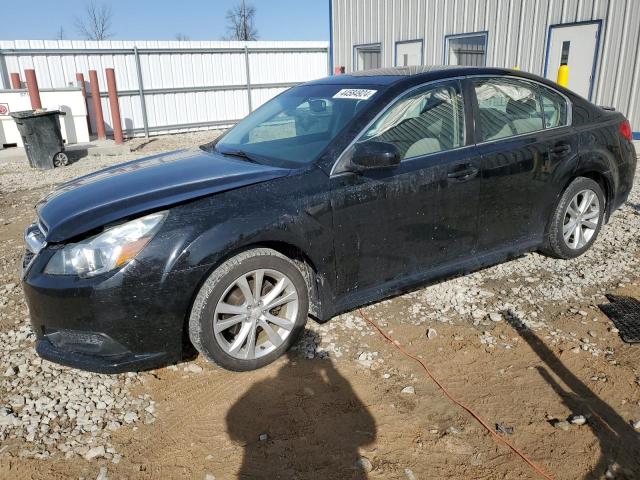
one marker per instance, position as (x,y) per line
(132,188)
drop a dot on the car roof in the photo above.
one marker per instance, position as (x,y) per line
(416,74)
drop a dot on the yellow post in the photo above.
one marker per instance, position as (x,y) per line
(563,76)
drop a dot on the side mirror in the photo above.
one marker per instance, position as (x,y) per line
(318,105)
(367,155)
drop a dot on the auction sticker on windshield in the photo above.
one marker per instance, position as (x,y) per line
(355,93)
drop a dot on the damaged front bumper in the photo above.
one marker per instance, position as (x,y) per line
(129,319)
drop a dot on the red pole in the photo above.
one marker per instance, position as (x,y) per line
(32,86)
(115,106)
(80,80)
(97,105)
(15,81)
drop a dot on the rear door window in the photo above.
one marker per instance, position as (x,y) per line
(507,107)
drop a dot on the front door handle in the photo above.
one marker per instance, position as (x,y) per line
(463,173)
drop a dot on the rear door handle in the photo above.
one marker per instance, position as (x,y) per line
(561,149)
(463,172)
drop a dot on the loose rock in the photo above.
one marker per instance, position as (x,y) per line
(578,419)
(365,464)
(95,452)
(193,368)
(103,474)
(130,417)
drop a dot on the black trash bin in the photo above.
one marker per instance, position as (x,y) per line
(40,131)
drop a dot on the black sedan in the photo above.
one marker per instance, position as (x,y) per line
(336,193)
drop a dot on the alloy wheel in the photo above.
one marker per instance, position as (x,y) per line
(581,219)
(60,159)
(255,314)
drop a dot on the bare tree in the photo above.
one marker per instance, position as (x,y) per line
(95,24)
(240,23)
(60,34)
(181,37)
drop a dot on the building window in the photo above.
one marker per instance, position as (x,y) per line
(468,49)
(367,56)
(408,53)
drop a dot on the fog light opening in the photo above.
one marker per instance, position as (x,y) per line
(89,343)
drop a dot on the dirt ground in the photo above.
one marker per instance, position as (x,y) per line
(334,408)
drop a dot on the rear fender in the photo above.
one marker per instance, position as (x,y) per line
(593,162)
(600,159)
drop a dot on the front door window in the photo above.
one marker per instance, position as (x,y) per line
(429,120)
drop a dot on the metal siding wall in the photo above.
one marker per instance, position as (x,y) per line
(613,39)
(393,35)
(517,29)
(182,69)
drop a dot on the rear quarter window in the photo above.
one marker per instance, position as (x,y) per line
(507,107)
(554,108)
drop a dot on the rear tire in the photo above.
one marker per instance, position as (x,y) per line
(576,220)
(240,327)
(60,160)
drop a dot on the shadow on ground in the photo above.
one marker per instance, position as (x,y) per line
(619,442)
(314,422)
(635,206)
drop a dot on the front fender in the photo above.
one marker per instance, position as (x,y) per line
(290,211)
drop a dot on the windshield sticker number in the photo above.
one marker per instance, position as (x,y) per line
(355,93)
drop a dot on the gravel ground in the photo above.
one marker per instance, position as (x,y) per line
(60,411)
(90,422)
(14,176)
(54,409)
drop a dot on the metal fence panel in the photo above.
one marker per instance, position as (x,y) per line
(184,85)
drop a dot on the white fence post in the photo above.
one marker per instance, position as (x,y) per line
(246,62)
(143,103)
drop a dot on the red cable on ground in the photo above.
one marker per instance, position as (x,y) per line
(396,344)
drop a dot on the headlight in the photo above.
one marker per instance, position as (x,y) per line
(110,249)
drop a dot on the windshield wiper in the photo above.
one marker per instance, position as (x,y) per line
(238,153)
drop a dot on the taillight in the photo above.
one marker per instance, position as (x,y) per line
(625,130)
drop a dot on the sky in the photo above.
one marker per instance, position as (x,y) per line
(163,19)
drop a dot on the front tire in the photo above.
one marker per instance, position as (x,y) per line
(576,220)
(250,310)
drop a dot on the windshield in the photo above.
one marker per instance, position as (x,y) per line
(292,129)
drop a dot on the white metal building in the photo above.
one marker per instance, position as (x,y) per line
(598,39)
